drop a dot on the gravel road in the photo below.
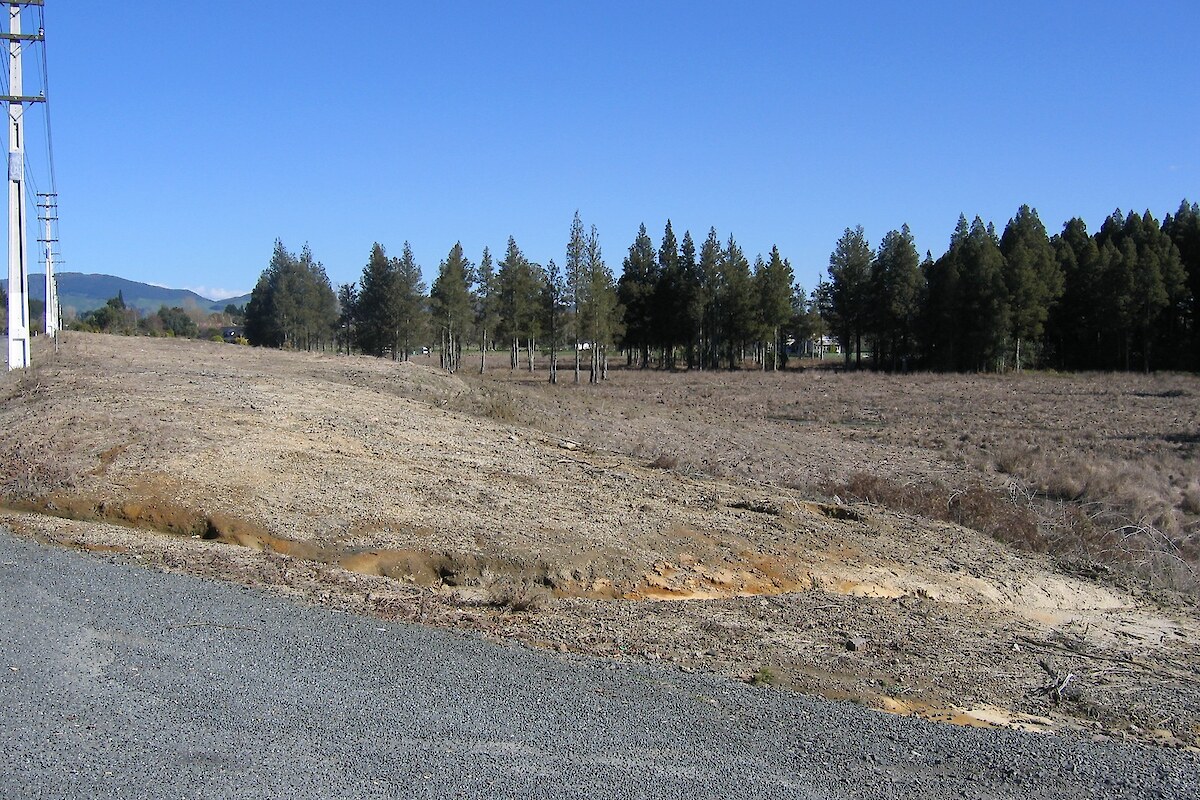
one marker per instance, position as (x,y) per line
(118,681)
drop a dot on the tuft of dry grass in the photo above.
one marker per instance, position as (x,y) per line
(500,406)
(519,597)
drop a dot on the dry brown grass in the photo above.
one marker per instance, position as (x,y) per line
(1088,466)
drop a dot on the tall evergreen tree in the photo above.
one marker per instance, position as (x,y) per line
(943,301)
(984,314)
(1033,277)
(601,312)
(487,305)
(575,277)
(1184,230)
(711,265)
(378,314)
(1076,325)
(896,299)
(1144,286)
(347,297)
(411,303)
(636,292)
(450,300)
(736,302)
(520,284)
(850,280)
(668,315)
(554,313)
(774,283)
(691,299)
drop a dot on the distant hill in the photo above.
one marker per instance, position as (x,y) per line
(80,292)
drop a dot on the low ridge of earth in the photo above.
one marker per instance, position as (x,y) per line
(657,517)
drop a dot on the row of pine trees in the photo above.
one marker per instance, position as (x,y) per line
(1123,298)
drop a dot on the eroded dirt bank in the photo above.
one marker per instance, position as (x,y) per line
(373,486)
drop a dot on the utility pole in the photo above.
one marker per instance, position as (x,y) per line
(48,213)
(18,255)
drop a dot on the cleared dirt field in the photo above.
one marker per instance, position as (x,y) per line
(707,520)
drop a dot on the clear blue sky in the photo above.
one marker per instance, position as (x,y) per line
(189,136)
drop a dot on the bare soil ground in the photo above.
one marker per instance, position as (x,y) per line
(683,518)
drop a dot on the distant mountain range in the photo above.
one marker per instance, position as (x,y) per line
(79,292)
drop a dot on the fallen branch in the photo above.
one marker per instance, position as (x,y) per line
(1165,672)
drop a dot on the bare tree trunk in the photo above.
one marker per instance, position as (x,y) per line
(577,359)
(483,352)
(529,352)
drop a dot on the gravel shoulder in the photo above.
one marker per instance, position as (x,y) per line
(118,681)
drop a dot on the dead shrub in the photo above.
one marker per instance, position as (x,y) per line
(1067,482)
(976,507)
(1011,458)
(520,597)
(1189,501)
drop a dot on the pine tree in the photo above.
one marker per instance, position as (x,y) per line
(895,299)
(691,299)
(736,302)
(1184,231)
(293,304)
(450,300)
(774,283)
(711,258)
(347,297)
(411,302)
(520,288)
(636,292)
(1076,326)
(1033,278)
(378,316)
(1144,288)
(576,283)
(943,292)
(1167,337)
(984,315)
(487,305)
(601,312)
(667,313)
(261,328)
(554,313)
(850,279)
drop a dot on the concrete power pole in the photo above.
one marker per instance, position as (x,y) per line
(48,213)
(18,254)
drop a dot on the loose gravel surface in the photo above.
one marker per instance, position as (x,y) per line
(119,681)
